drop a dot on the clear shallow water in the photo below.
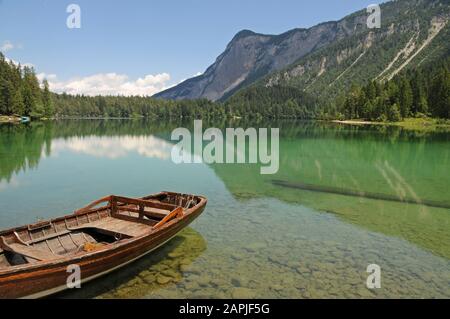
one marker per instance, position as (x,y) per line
(255,239)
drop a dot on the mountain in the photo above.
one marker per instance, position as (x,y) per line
(250,56)
(327,58)
(414,33)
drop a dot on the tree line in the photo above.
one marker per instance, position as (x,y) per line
(415,93)
(80,106)
(274,102)
(21,93)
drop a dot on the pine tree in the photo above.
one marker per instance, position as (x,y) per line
(440,95)
(47,100)
(3,99)
(394,114)
(17,103)
(32,94)
(405,98)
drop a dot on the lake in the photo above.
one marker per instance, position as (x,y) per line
(345,197)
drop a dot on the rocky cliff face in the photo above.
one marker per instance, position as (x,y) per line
(326,58)
(413,34)
(250,56)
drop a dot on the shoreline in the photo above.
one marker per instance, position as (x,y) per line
(421,124)
(10,119)
(359,122)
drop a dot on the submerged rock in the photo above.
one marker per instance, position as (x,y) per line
(150,278)
(175,254)
(239,281)
(254,247)
(170,273)
(277,287)
(184,268)
(243,293)
(204,281)
(162,280)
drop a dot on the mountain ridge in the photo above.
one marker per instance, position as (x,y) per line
(252,58)
(250,55)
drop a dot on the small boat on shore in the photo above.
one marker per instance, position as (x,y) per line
(35,259)
(25,119)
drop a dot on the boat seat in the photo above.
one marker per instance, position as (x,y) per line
(27,251)
(156,212)
(3,261)
(150,212)
(116,226)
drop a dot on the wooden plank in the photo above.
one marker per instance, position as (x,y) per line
(155,214)
(3,261)
(50,236)
(27,251)
(93,205)
(147,203)
(177,213)
(41,225)
(161,212)
(116,225)
(151,212)
(133,219)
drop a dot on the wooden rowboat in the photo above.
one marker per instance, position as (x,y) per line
(36,260)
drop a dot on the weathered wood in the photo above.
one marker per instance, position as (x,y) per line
(147,203)
(47,237)
(27,251)
(177,213)
(40,225)
(148,222)
(116,226)
(156,214)
(93,204)
(3,260)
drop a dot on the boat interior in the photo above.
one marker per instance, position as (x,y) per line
(90,229)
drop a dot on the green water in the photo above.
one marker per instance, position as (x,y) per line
(255,239)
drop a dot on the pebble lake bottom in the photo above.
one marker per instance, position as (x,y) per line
(256,239)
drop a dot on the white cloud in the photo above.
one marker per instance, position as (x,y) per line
(17,63)
(13,183)
(105,83)
(185,79)
(114,147)
(6,46)
(108,84)
(49,77)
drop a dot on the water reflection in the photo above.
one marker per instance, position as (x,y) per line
(264,239)
(115,147)
(369,177)
(22,147)
(385,161)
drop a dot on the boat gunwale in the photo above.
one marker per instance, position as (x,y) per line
(110,248)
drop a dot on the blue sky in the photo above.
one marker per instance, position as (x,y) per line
(137,38)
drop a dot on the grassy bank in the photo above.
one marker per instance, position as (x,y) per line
(417,124)
(9,119)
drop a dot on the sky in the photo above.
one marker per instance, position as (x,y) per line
(140,47)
